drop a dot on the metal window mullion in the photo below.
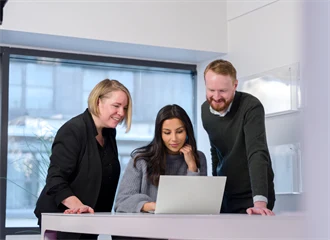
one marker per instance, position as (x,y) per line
(4,88)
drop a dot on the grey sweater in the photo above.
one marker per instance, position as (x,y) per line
(135,189)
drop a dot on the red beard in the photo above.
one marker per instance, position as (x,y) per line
(217,106)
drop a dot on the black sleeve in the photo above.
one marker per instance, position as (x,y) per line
(215,160)
(257,149)
(63,162)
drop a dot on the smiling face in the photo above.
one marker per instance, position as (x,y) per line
(112,108)
(220,90)
(173,135)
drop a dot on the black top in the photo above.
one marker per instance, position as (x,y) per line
(110,175)
(239,148)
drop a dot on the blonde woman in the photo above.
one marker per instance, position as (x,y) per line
(84,167)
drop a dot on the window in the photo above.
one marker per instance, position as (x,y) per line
(45,91)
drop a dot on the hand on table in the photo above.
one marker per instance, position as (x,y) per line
(149,206)
(260,208)
(80,209)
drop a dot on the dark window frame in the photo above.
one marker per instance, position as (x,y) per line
(5,53)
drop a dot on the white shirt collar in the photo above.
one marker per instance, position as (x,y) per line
(219,113)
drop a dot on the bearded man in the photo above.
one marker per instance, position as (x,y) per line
(235,123)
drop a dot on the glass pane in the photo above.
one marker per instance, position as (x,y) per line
(274,93)
(286,162)
(39,98)
(124,77)
(278,89)
(27,168)
(160,89)
(93,76)
(54,92)
(15,96)
(68,87)
(39,74)
(15,73)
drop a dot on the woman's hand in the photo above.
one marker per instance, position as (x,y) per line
(74,205)
(80,209)
(189,157)
(148,206)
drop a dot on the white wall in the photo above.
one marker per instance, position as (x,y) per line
(238,8)
(169,24)
(266,38)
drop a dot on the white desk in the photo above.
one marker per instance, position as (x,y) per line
(187,227)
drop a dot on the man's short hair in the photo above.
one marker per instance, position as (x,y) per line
(221,67)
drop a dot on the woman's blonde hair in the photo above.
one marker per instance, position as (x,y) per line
(105,87)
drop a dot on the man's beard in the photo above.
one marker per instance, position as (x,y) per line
(217,107)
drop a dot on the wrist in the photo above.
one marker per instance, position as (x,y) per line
(260,204)
(193,169)
(72,202)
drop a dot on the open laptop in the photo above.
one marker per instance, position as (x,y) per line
(190,194)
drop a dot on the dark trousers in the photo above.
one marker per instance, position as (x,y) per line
(83,237)
(88,236)
(132,238)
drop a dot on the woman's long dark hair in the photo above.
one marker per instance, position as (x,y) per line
(155,152)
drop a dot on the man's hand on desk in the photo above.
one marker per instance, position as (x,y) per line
(149,206)
(80,209)
(260,208)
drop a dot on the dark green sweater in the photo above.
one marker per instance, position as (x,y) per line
(239,148)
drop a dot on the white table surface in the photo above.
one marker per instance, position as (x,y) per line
(170,226)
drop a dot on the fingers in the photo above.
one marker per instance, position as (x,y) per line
(260,211)
(186,149)
(270,213)
(90,210)
(249,211)
(79,210)
(153,206)
(149,206)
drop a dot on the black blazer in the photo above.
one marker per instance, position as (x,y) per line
(75,166)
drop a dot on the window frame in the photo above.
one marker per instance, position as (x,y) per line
(4,108)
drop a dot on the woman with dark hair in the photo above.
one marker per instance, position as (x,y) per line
(172,151)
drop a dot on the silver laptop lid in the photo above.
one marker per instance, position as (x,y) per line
(190,194)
